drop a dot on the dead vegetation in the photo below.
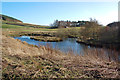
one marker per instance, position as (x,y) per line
(21,60)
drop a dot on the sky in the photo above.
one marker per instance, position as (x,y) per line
(44,13)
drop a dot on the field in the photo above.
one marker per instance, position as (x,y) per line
(9,29)
(24,28)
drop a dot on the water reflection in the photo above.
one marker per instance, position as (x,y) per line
(66,45)
(70,45)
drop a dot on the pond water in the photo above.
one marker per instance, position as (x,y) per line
(66,45)
(69,45)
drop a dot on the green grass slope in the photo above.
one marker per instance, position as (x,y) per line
(7,18)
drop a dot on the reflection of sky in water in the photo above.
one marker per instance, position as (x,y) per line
(69,44)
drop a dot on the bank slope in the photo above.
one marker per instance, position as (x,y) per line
(21,60)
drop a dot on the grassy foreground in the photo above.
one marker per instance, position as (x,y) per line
(21,60)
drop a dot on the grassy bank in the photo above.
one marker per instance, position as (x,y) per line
(29,61)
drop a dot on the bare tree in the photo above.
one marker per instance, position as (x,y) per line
(55,23)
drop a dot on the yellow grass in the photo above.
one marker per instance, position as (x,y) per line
(23,60)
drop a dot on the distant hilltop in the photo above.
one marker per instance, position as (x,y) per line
(9,19)
(114,24)
(13,21)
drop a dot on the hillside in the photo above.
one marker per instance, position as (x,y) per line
(15,22)
(114,24)
(10,19)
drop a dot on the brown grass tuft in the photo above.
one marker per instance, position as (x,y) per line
(25,61)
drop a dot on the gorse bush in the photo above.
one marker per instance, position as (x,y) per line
(90,32)
(108,34)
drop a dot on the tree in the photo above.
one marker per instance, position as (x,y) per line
(92,23)
(91,29)
(55,23)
